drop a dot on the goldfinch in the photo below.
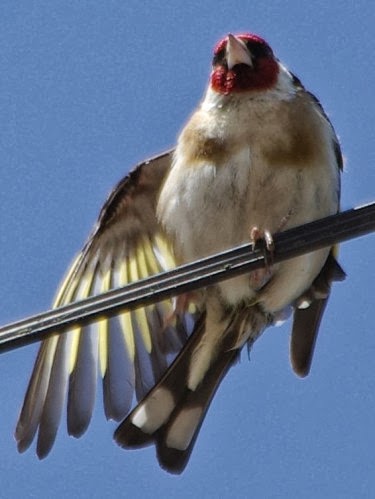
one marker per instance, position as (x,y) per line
(257,156)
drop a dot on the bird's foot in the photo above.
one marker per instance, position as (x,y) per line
(260,277)
(181,306)
(267,245)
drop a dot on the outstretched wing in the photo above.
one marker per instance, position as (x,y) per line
(130,350)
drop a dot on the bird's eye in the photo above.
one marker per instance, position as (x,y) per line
(258,49)
(219,57)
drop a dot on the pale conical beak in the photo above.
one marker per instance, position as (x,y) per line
(237,52)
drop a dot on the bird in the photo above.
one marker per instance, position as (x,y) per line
(257,156)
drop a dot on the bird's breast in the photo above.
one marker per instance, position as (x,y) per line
(227,178)
(203,208)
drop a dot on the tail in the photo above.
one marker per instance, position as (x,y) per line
(171,414)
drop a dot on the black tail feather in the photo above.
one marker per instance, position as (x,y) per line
(175,460)
(175,438)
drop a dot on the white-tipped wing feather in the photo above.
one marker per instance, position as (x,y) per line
(131,350)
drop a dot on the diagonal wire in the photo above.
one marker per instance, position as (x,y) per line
(288,244)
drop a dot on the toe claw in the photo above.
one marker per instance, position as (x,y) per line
(270,245)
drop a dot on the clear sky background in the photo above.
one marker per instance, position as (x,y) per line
(88,89)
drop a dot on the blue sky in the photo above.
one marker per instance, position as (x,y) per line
(89,88)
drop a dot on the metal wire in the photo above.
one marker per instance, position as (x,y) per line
(288,244)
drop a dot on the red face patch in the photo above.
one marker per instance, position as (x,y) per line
(262,75)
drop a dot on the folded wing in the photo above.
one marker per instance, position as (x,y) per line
(308,315)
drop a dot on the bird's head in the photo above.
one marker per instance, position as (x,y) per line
(243,63)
